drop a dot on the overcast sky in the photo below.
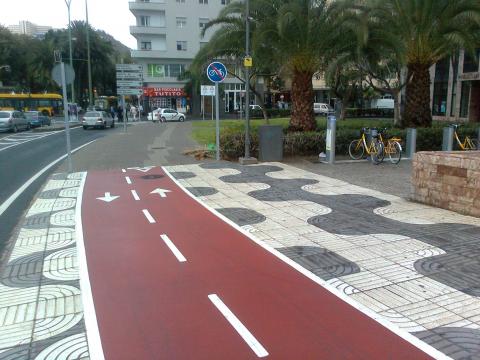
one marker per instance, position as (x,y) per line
(112,16)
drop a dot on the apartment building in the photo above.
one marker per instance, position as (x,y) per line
(168,34)
(29,28)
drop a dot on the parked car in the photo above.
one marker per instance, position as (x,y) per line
(37,119)
(166,115)
(322,109)
(97,119)
(13,120)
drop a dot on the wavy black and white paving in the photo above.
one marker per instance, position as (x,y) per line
(416,266)
(41,312)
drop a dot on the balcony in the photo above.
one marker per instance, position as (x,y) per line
(148,53)
(135,6)
(148,30)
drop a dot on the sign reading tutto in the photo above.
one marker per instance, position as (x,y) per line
(163,92)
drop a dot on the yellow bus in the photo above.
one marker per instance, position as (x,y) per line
(48,104)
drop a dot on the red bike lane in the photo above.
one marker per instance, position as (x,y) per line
(171,280)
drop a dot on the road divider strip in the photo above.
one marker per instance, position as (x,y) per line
(6,204)
(173,248)
(246,335)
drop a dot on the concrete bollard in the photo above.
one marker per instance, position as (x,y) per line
(411,148)
(330,138)
(447,143)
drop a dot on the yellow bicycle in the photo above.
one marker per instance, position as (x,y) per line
(374,148)
(392,146)
(468,143)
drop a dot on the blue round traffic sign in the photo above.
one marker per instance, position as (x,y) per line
(216,72)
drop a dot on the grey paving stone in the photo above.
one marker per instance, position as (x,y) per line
(242,216)
(202,191)
(183,175)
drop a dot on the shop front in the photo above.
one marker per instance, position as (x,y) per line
(171,97)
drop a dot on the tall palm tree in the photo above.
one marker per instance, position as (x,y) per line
(424,32)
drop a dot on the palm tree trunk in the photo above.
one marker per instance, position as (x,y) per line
(303,117)
(417,107)
(397,116)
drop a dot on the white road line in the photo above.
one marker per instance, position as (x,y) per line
(238,326)
(33,139)
(123,170)
(6,204)
(149,217)
(135,195)
(173,248)
(128,180)
(428,349)
(89,314)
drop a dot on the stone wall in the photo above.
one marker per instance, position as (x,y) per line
(450,180)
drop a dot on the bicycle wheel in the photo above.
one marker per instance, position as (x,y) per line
(474,144)
(378,153)
(394,151)
(356,149)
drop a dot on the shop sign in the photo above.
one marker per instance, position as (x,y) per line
(470,76)
(157,92)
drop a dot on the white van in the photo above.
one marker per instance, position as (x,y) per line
(385,102)
(322,109)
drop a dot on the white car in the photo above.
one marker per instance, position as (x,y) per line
(166,115)
(12,120)
(97,119)
(322,109)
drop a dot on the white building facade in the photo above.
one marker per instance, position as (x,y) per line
(29,28)
(168,34)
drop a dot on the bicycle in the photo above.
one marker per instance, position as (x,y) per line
(392,146)
(468,143)
(375,148)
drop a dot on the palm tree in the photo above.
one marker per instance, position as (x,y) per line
(423,32)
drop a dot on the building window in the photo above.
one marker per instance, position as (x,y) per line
(465,99)
(181,45)
(181,22)
(181,1)
(146,45)
(440,87)
(175,70)
(205,2)
(144,21)
(470,64)
(202,22)
(225,2)
(156,70)
(144,1)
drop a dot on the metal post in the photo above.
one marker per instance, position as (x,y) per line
(247,81)
(411,142)
(203,107)
(330,140)
(90,93)
(212,105)
(65,115)
(124,111)
(217,122)
(68,2)
(447,143)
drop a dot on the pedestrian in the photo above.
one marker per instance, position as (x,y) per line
(112,111)
(140,111)
(133,112)
(120,113)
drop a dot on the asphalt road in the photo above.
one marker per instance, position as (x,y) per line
(23,155)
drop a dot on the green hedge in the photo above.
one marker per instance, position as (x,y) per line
(313,143)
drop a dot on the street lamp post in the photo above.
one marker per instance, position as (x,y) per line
(68,3)
(90,93)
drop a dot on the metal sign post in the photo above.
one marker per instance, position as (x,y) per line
(67,120)
(217,72)
(129,82)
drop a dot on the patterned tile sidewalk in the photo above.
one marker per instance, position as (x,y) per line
(41,313)
(416,266)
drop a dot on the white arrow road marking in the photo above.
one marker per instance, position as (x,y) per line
(108,198)
(173,248)
(128,180)
(149,217)
(161,192)
(238,326)
(144,169)
(135,195)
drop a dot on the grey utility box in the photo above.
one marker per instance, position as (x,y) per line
(270,139)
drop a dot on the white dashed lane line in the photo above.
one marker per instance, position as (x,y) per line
(149,217)
(129,181)
(135,195)
(238,326)
(173,248)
